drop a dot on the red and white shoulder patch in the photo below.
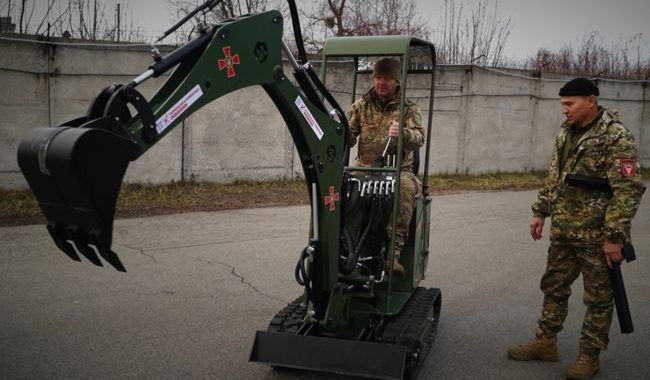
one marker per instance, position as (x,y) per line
(628,168)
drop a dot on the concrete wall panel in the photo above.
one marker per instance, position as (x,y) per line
(484,120)
(238,137)
(23,106)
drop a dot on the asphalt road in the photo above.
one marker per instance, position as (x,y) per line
(200,284)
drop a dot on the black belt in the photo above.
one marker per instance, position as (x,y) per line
(589,183)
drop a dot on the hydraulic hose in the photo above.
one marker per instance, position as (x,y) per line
(332,101)
(207,5)
(350,247)
(177,56)
(308,81)
(302,277)
(353,257)
(295,22)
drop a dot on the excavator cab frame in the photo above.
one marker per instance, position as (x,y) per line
(384,326)
(405,48)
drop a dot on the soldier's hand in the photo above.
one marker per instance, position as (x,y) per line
(613,253)
(536,227)
(393,131)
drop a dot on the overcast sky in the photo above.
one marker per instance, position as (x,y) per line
(552,23)
(535,23)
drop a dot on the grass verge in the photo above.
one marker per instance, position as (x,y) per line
(19,207)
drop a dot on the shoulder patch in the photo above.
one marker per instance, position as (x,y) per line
(628,168)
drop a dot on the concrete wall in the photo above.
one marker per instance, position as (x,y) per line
(483,121)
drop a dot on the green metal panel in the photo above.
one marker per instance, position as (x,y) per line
(367,46)
(249,51)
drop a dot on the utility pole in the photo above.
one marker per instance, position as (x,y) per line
(94,36)
(117,16)
(22,15)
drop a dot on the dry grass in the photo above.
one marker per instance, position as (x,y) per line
(487,182)
(19,207)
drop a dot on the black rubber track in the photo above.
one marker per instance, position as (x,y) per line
(421,313)
(289,319)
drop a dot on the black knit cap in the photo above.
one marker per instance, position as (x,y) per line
(388,66)
(580,87)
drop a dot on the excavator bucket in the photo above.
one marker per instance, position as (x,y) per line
(75,174)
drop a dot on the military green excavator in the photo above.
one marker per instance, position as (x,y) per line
(354,316)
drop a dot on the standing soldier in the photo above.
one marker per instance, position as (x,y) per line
(588,226)
(374,118)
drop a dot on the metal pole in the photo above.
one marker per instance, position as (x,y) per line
(118,22)
(425,182)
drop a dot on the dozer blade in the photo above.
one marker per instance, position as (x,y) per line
(75,174)
(341,356)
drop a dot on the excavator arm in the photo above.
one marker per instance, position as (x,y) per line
(75,170)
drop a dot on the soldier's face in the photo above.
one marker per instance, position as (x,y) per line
(579,110)
(385,86)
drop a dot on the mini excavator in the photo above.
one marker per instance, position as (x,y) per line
(354,317)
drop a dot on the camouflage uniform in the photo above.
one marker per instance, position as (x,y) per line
(582,219)
(370,119)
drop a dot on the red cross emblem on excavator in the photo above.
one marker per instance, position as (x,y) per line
(229,61)
(332,199)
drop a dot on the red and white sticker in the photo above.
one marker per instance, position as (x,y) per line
(628,168)
(177,110)
(309,117)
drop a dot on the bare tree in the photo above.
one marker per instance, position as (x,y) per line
(225,10)
(24,22)
(84,19)
(50,5)
(593,57)
(474,36)
(361,18)
(8,5)
(23,14)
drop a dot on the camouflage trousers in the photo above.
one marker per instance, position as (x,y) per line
(566,260)
(409,188)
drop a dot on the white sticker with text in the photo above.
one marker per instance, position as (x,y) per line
(177,110)
(309,117)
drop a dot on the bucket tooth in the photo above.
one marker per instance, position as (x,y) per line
(59,239)
(105,251)
(80,241)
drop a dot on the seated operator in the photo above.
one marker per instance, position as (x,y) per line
(374,118)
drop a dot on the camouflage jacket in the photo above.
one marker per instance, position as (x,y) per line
(370,119)
(606,151)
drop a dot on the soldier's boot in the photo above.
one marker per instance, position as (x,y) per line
(539,348)
(584,368)
(398,268)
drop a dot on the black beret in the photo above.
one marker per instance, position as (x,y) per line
(580,87)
